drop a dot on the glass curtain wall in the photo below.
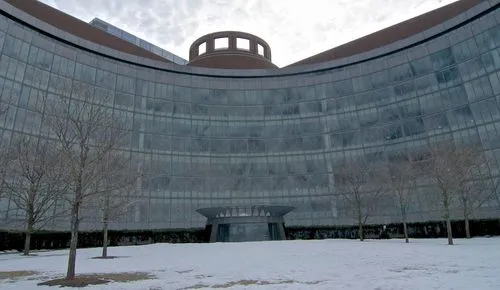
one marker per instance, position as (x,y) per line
(205,141)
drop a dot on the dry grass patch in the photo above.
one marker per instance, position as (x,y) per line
(99,279)
(249,283)
(108,257)
(197,286)
(15,275)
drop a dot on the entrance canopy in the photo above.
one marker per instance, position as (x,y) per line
(246,223)
(245,211)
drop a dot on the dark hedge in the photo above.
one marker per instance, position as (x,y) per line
(60,240)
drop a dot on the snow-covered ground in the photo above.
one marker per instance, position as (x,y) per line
(325,264)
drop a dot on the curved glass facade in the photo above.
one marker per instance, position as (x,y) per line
(208,140)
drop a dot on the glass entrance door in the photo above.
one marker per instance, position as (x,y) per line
(243,232)
(248,232)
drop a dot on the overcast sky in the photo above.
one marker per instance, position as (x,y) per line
(295,29)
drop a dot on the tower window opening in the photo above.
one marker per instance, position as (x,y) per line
(202,48)
(221,43)
(260,49)
(242,43)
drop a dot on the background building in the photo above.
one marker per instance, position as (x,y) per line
(212,137)
(111,29)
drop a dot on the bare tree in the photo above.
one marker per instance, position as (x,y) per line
(4,161)
(472,189)
(111,209)
(450,171)
(34,182)
(122,179)
(4,152)
(494,190)
(88,136)
(402,183)
(362,186)
(492,185)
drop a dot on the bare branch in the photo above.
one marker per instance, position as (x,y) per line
(402,183)
(88,137)
(362,185)
(34,181)
(458,171)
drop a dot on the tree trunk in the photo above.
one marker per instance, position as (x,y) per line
(105,239)
(467,227)
(360,226)
(405,229)
(449,231)
(446,206)
(75,221)
(105,221)
(403,217)
(466,217)
(27,238)
(27,243)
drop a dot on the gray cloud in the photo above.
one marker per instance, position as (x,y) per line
(295,29)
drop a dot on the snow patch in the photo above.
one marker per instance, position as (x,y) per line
(320,264)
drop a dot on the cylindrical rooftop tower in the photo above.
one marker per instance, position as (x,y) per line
(230,50)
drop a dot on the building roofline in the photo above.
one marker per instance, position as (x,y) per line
(392,33)
(173,55)
(80,28)
(62,36)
